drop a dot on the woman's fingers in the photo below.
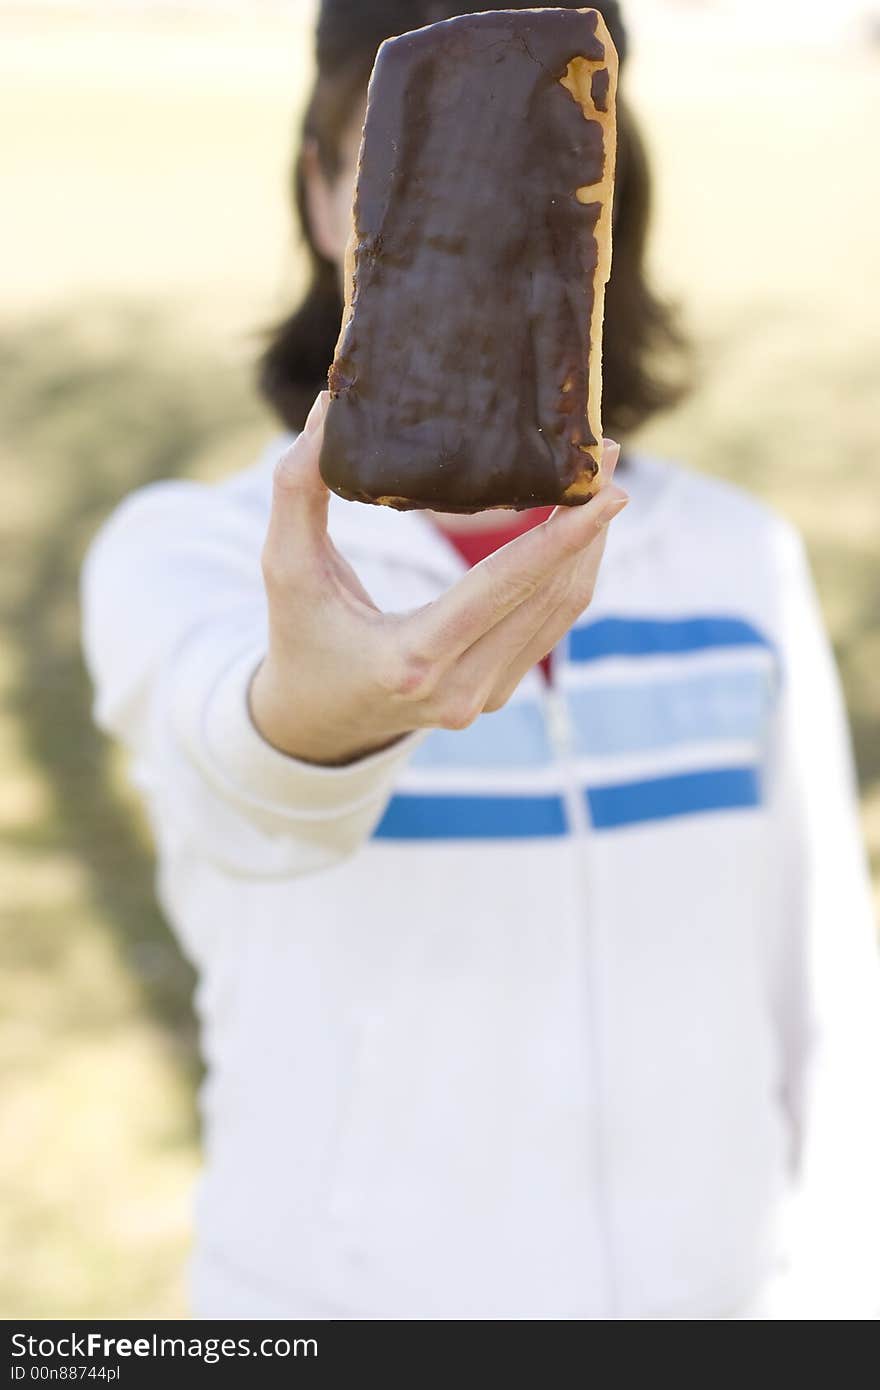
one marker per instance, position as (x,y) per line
(547,636)
(299,495)
(501,658)
(610,459)
(510,578)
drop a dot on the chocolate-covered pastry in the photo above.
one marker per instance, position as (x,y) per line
(468,371)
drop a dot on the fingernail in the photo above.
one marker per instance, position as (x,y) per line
(610,457)
(316,414)
(612,505)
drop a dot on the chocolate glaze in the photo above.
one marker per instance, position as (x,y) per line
(461,379)
(599,88)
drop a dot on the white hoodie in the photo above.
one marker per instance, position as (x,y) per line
(573,1014)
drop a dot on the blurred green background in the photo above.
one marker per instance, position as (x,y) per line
(145,245)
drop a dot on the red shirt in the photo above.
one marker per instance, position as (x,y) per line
(474,546)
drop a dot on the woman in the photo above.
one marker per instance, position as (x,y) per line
(527,990)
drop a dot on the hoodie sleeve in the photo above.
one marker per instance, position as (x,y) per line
(827,980)
(174,626)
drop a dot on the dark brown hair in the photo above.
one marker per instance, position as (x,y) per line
(639,328)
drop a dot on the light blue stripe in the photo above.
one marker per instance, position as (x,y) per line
(660,637)
(410,817)
(690,793)
(622,718)
(515,736)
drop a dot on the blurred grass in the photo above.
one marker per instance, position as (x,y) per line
(97,1044)
(145,242)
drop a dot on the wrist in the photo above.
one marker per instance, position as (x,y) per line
(330,741)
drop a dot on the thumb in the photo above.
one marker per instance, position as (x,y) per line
(299,495)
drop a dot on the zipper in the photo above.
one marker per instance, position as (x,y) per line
(561,731)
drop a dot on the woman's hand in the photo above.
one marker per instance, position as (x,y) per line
(342,679)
